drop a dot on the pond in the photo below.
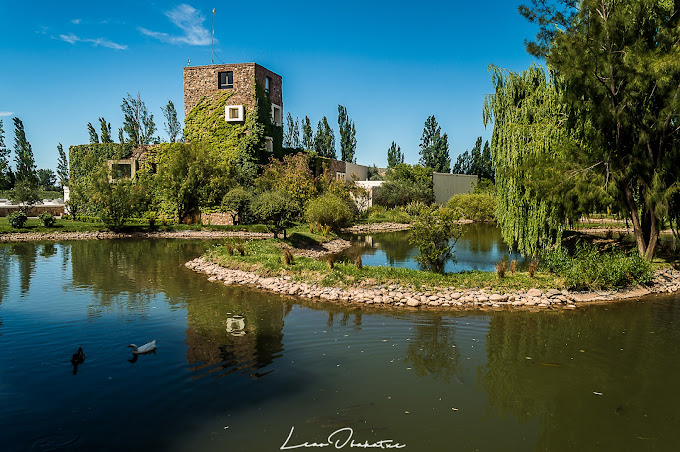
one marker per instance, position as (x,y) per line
(479,248)
(238,369)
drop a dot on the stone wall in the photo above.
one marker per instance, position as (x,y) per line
(56,210)
(202,81)
(217,219)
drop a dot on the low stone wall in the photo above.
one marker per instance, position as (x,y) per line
(107,235)
(218,218)
(436,297)
(56,210)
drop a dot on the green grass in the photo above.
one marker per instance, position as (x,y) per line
(264,257)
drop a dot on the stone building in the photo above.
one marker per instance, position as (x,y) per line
(241,80)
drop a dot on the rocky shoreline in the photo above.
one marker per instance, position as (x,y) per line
(107,235)
(667,281)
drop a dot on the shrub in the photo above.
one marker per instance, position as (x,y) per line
(533,266)
(237,201)
(474,206)
(379,214)
(591,269)
(287,256)
(435,233)
(47,219)
(358,262)
(513,266)
(405,184)
(17,219)
(276,210)
(329,211)
(501,266)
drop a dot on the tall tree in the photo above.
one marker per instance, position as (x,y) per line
(324,140)
(292,137)
(138,123)
(172,126)
(24,160)
(348,140)
(477,162)
(94,138)
(62,166)
(434,147)
(46,178)
(619,65)
(105,131)
(307,137)
(394,155)
(528,128)
(4,161)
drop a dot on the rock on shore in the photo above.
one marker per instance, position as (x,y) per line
(436,297)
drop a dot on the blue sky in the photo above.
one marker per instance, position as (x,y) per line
(391,64)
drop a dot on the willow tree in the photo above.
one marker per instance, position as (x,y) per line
(528,118)
(620,66)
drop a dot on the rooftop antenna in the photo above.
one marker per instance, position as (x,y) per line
(212,39)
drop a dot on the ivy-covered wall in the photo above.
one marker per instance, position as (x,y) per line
(86,158)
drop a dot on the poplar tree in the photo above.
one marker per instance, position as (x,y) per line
(24,160)
(348,141)
(105,131)
(4,161)
(62,166)
(292,138)
(94,138)
(307,137)
(138,123)
(324,140)
(172,125)
(434,147)
(394,155)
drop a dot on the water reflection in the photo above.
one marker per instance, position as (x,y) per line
(480,248)
(614,367)
(433,351)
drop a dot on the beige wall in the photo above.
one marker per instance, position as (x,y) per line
(446,185)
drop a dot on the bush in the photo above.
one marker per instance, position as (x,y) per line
(474,206)
(237,201)
(276,210)
(405,184)
(328,210)
(47,219)
(435,233)
(17,219)
(379,214)
(592,269)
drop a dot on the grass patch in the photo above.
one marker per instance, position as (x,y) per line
(265,257)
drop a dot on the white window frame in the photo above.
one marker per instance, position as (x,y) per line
(275,109)
(269,144)
(240,113)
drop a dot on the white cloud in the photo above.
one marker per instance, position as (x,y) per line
(6,113)
(75,21)
(97,42)
(190,21)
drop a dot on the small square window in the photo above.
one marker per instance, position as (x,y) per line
(226,80)
(233,113)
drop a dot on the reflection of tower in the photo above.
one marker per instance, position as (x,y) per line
(242,335)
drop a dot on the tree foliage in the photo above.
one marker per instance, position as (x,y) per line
(105,128)
(328,210)
(307,137)
(23,158)
(46,178)
(620,67)
(291,138)
(348,140)
(237,202)
(405,184)
(324,139)
(434,147)
(394,155)
(94,138)
(172,126)
(276,210)
(290,175)
(435,232)
(5,170)
(138,123)
(62,166)
(528,117)
(477,162)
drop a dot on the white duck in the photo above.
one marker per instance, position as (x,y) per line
(146,348)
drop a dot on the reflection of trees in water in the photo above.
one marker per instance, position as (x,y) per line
(395,245)
(129,273)
(620,359)
(4,272)
(432,351)
(480,238)
(343,317)
(216,344)
(25,253)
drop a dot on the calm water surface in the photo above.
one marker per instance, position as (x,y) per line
(479,248)
(236,369)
